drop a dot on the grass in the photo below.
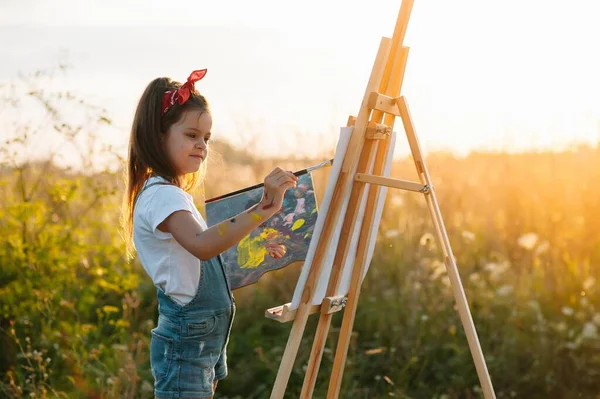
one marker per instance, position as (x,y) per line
(76,316)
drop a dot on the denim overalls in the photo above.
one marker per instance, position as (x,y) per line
(188,346)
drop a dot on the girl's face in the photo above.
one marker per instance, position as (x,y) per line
(186,141)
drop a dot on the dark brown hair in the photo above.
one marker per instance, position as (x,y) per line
(146,156)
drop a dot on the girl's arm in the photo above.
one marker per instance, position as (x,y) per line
(206,244)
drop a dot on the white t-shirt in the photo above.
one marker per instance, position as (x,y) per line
(170,266)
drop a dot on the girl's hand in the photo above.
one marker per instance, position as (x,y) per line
(276,251)
(276,183)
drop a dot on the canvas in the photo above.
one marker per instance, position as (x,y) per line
(292,227)
(323,280)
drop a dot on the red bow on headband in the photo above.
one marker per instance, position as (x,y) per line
(182,94)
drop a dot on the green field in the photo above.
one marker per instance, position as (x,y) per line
(76,315)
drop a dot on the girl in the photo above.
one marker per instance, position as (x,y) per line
(168,145)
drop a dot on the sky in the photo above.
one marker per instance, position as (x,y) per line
(508,75)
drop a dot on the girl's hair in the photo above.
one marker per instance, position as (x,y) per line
(146,156)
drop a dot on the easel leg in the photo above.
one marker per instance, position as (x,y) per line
(312,368)
(291,350)
(444,243)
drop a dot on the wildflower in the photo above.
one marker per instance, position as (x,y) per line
(438,269)
(110,309)
(590,331)
(392,234)
(561,327)
(496,269)
(504,290)
(446,281)
(543,247)
(468,235)
(528,241)
(397,200)
(588,283)
(567,311)
(147,387)
(427,240)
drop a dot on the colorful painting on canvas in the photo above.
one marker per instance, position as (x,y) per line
(292,227)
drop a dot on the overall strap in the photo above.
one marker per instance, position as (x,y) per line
(148,186)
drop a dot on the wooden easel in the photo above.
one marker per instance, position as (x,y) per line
(381,99)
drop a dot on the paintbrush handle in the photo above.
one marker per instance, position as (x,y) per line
(243,190)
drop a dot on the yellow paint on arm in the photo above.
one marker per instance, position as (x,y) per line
(222,229)
(256,216)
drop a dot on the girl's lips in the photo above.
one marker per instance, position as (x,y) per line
(197,157)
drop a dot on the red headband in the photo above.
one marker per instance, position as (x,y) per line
(182,94)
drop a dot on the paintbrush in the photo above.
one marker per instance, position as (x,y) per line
(243,190)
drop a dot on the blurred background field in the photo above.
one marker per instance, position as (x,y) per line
(75,317)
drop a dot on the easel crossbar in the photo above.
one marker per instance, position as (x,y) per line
(383,103)
(393,183)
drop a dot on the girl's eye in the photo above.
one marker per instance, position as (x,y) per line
(207,139)
(192,135)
